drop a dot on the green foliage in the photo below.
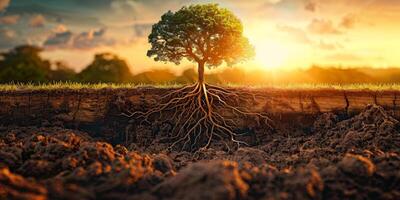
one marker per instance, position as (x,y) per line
(106,68)
(23,64)
(204,34)
(62,73)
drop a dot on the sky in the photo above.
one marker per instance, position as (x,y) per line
(287,34)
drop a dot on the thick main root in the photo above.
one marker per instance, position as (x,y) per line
(191,108)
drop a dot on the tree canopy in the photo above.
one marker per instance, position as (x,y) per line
(206,34)
(107,68)
(62,72)
(23,64)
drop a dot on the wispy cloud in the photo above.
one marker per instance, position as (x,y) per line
(37,21)
(340,57)
(9,19)
(348,21)
(63,38)
(328,46)
(298,34)
(323,27)
(310,6)
(7,33)
(9,38)
(142,30)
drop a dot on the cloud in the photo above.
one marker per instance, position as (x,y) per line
(37,21)
(57,13)
(310,6)
(323,27)
(59,40)
(298,34)
(328,46)
(355,57)
(92,39)
(4,4)
(60,28)
(84,40)
(9,39)
(142,30)
(348,21)
(7,33)
(344,57)
(9,19)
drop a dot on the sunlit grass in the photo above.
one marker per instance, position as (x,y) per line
(77,86)
(308,86)
(98,86)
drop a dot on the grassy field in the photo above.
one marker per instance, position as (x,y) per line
(73,85)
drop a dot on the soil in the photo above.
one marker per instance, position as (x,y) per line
(326,156)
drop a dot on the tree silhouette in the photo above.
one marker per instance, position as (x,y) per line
(23,64)
(209,36)
(107,68)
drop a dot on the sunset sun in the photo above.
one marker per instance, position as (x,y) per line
(271,56)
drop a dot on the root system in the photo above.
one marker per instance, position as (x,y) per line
(202,113)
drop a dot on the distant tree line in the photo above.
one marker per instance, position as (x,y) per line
(24,64)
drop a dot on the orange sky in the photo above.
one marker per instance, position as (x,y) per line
(287,34)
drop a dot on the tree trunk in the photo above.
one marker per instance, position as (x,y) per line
(201,73)
(203,87)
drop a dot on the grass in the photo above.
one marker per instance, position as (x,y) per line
(77,86)
(308,86)
(73,85)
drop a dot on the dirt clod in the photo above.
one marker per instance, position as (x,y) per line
(213,180)
(357,165)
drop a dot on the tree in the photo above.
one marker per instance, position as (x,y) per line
(62,72)
(209,36)
(187,76)
(205,34)
(108,68)
(23,64)
(160,76)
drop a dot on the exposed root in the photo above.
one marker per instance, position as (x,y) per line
(193,110)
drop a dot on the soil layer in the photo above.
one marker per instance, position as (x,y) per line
(341,153)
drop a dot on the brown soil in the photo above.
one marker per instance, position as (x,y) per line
(326,156)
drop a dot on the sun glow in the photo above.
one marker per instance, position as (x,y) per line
(271,56)
(272,52)
(276,51)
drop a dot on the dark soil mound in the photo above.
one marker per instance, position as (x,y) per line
(354,158)
(213,180)
(72,166)
(372,129)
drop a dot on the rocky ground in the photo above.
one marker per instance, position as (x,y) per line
(353,158)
